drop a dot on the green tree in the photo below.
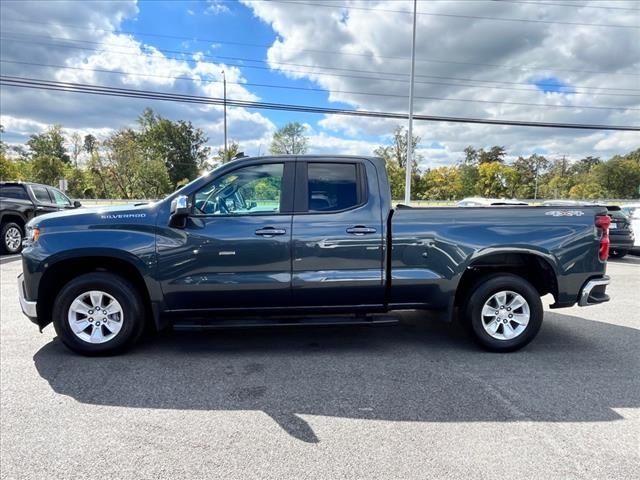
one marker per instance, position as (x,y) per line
(584,165)
(620,176)
(395,157)
(49,143)
(589,188)
(469,176)
(47,169)
(290,140)
(495,179)
(76,147)
(557,181)
(180,145)
(129,172)
(233,149)
(443,183)
(528,172)
(8,168)
(48,155)
(478,157)
(90,143)
(78,185)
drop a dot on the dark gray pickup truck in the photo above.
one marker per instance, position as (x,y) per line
(294,240)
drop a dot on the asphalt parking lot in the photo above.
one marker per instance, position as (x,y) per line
(414,400)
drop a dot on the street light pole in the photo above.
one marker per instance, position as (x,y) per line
(224,83)
(407,185)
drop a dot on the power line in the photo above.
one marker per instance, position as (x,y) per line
(430,60)
(454,15)
(39,84)
(336,75)
(572,5)
(290,87)
(327,52)
(446,99)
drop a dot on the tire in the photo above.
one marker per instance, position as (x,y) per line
(11,236)
(618,253)
(511,333)
(98,337)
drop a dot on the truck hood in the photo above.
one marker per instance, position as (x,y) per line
(141,214)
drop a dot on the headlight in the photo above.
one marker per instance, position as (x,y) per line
(33,234)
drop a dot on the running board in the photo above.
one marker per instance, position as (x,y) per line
(247,322)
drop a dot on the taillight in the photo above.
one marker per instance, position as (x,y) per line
(603,222)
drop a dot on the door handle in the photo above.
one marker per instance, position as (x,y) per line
(360,230)
(270,231)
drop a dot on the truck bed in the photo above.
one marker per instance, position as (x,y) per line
(432,247)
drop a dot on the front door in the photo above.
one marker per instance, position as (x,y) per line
(337,235)
(235,250)
(42,199)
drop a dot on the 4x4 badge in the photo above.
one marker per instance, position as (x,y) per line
(565,213)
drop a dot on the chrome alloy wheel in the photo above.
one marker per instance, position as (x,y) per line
(95,317)
(505,315)
(13,238)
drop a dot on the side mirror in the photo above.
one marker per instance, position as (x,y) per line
(76,204)
(179,211)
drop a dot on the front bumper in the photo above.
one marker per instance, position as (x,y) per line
(29,307)
(594,292)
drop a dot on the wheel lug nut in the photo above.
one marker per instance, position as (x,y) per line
(90,312)
(97,324)
(90,319)
(510,316)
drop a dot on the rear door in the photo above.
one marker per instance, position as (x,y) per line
(337,234)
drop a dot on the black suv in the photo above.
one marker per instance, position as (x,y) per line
(19,203)
(620,232)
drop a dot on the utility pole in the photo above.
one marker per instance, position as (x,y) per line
(535,193)
(407,184)
(224,83)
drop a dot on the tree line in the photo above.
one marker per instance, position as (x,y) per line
(158,155)
(486,173)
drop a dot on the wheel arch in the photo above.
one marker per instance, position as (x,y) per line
(59,271)
(14,217)
(537,268)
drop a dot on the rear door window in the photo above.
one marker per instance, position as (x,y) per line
(41,194)
(13,191)
(332,187)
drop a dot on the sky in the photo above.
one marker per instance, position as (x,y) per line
(568,61)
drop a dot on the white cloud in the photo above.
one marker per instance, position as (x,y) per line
(216,7)
(118,60)
(506,55)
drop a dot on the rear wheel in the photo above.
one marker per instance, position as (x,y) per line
(11,235)
(616,253)
(505,312)
(98,314)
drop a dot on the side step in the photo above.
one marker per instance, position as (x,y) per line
(247,322)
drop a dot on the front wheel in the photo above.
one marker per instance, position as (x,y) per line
(505,312)
(98,314)
(11,234)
